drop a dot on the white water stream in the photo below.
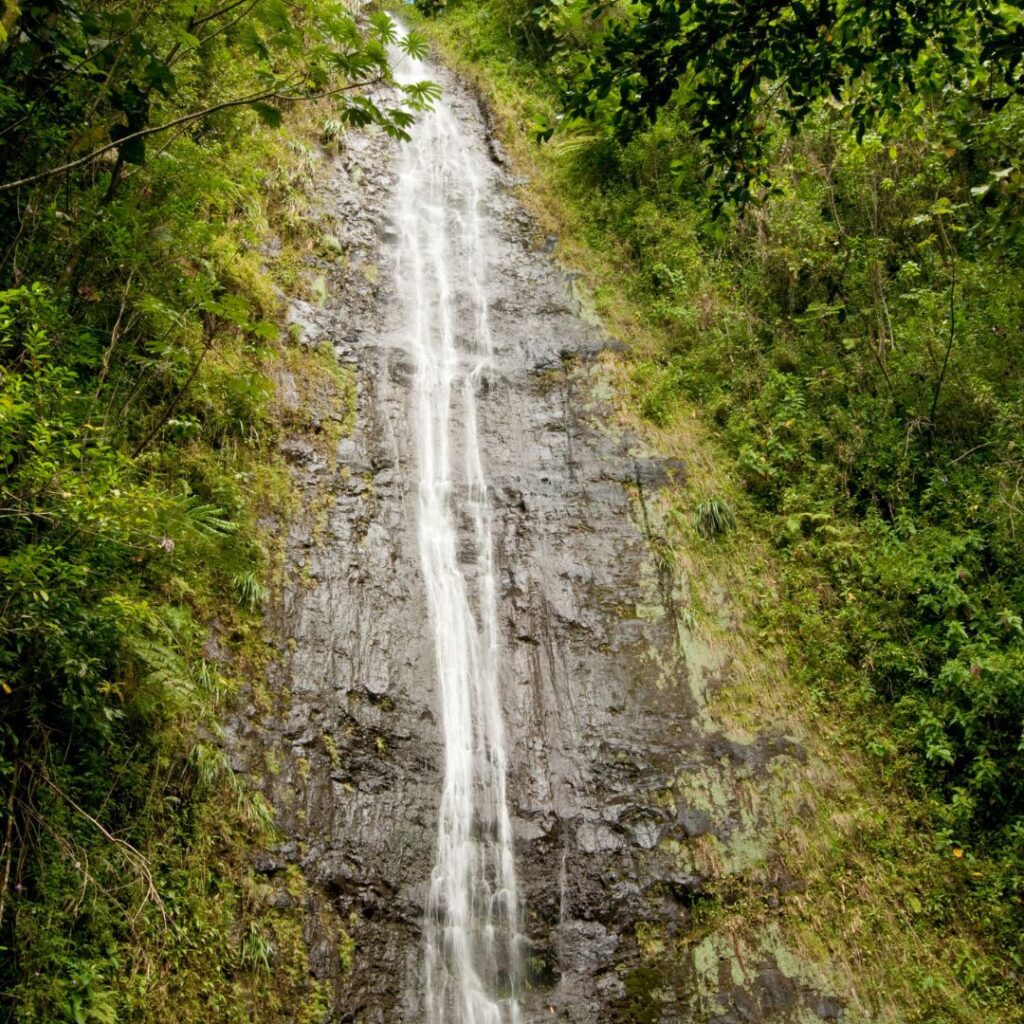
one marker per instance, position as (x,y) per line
(471,923)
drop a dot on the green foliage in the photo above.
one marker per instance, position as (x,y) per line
(251,593)
(733,66)
(854,341)
(346,950)
(93,79)
(859,349)
(138,320)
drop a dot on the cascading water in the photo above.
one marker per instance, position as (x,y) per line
(471,930)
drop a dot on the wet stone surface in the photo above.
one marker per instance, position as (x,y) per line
(600,693)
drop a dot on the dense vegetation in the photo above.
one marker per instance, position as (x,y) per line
(138,327)
(817,208)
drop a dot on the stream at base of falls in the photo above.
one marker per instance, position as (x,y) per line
(487,734)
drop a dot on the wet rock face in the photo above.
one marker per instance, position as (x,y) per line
(600,694)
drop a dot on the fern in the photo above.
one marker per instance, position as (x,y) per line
(207,519)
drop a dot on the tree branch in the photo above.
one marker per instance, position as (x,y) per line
(217,14)
(130,853)
(173,403)
(228,25)
(68,72)
(945,359)
(241,101)
(8,846)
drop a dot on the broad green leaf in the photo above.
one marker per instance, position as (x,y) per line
(268,114)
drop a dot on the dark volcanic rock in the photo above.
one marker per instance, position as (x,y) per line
(601,708)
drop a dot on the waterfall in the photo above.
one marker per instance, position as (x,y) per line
(471,917)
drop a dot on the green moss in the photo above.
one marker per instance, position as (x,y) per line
(347,945)
(333,755)
(644,995)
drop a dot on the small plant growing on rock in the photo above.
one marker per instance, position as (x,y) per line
(332,750)
(250,591)
(347,945)
(713,518)
(257,951)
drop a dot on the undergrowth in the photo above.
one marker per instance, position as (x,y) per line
(138,432)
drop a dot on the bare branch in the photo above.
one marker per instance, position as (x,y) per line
(8,846)
(226,9)
(130,853)
(241,101)
(114,334)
